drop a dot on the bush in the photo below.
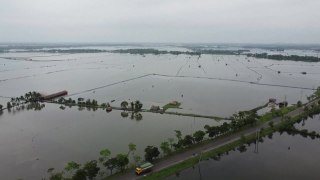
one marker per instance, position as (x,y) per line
(299,104)
(271,123)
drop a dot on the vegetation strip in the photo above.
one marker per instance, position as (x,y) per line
(284,57)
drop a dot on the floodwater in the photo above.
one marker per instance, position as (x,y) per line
(279,157)
(31,142)
(219,85)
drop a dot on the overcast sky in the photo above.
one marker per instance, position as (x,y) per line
(215,21)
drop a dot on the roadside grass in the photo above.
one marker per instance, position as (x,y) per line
(276,113)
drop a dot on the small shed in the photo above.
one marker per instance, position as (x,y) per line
(283,104)
(154,108)
(272,100)
(174,103)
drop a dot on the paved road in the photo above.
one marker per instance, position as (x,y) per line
(210,146)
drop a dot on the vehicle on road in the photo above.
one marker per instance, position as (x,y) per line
(144,168)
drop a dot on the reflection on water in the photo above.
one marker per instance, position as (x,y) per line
(279,156)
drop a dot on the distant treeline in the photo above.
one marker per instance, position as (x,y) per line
(283,57)
(74,51)
(153,51)
(192,52)
(221,52)
(197,52)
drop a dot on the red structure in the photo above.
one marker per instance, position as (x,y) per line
(55,95)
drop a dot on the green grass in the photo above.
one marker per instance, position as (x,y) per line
(168,106)
(277,113)
(266,117)
(288,109)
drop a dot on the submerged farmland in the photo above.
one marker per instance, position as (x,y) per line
(207,84)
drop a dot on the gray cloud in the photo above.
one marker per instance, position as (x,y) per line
(256,21)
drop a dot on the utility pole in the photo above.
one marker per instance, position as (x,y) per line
(200,176)
(256,147)
(285,98)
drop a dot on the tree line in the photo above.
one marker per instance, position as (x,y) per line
(284,57)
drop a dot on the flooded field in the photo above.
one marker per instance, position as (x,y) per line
(218,85)
(31,142)
(278,157)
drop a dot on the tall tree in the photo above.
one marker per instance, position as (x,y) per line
(188,140)
(170,140)
(198,136)
(111,164)
(124,105)
(56,176)
(71,166)
(211,130)
(132,148)
(104,155)
(80,174)
(165,147)
(122,161)
(91,168)
(132,106)
(9,106)
(151,152)
(137,106)
(137,159)
(178,134)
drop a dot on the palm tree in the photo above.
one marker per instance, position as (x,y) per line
(104,155)
(124,105)
(137,105)
(235,116)
(138,116)
(132,149)
(132,106)
(170,140)
(241,115)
